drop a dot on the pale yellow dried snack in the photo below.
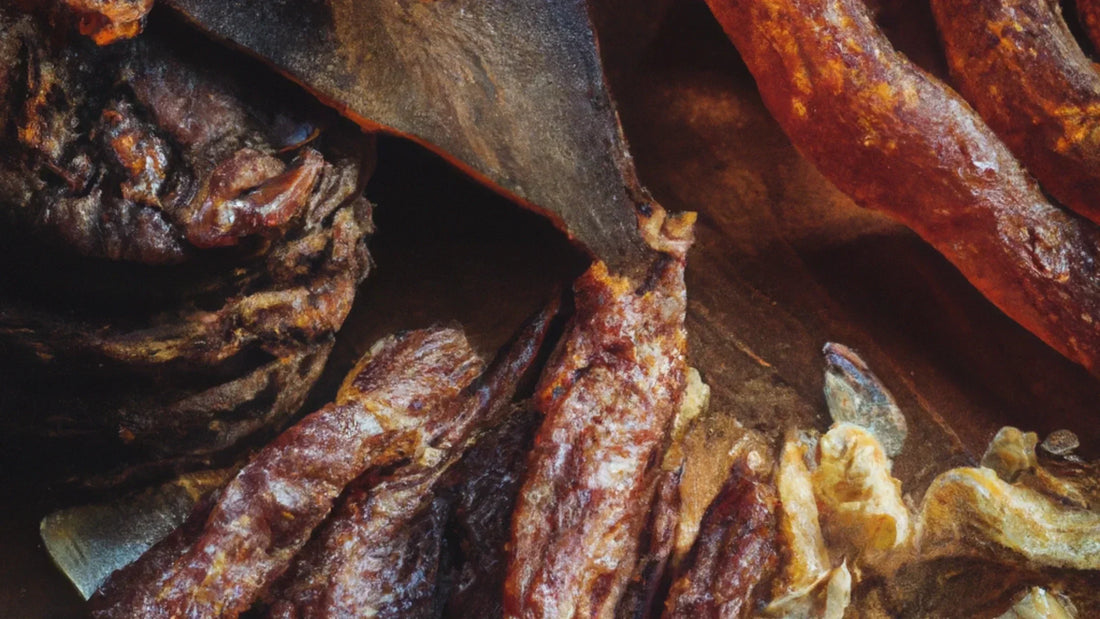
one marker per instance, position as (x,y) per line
(859,500)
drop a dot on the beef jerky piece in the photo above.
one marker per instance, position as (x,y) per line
(735,553)
(896,139)
(609,396)
(364,561)
(1017,63)
(654,549)
(490,474)
(267,512)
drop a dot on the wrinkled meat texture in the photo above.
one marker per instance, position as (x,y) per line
(735,553)
(364,560)
(133,154)
(609,397)
(266,514)
(142,153)
(896,139)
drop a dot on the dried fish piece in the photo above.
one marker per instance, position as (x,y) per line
(378,553)
(735,554)
(609,397)
(223,557)
(855,395)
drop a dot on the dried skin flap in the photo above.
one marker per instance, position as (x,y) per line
(511,90)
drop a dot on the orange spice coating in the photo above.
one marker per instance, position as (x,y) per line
(608,396)
(898,140)
(1018,64)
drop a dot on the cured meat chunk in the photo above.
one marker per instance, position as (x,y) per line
(609,396)
(266,514)
(898,140)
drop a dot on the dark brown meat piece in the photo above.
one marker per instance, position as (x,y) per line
(364,561)
(266,514)
(896,139)
(735,553)
(648,581)
(608,397)
(490,474)
(178,253)
(1088,12)
(1017,63)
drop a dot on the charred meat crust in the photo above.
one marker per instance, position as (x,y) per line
(266,514)
(897,140)
(608,398)
(1017,63)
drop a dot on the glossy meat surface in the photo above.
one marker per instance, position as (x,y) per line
(267,512)
(609,396)
(896,139)
(373,556)
(1017,63)
(735,553)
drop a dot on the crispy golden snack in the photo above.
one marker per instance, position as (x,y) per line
(1017,63)
(225,555)
(896,139)
(609,397)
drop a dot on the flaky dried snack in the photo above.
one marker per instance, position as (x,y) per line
(896,139)
(609,397)
(1017,63)
(230,550)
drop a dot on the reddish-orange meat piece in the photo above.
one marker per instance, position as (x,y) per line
(266,514)
(608,397)
(896,139)
(1018,64)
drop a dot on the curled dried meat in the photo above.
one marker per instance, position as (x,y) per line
(896,139)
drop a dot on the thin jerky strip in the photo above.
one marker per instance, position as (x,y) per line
(608,399)
(735,552)
(267,512)
(1017,63)
(896,139)
(491,474)
(363,561)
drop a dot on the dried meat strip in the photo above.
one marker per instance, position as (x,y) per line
(896,139)
(735,553)
(1017,63)
(363,561)
(609,396)
(490,475)
(266,514)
